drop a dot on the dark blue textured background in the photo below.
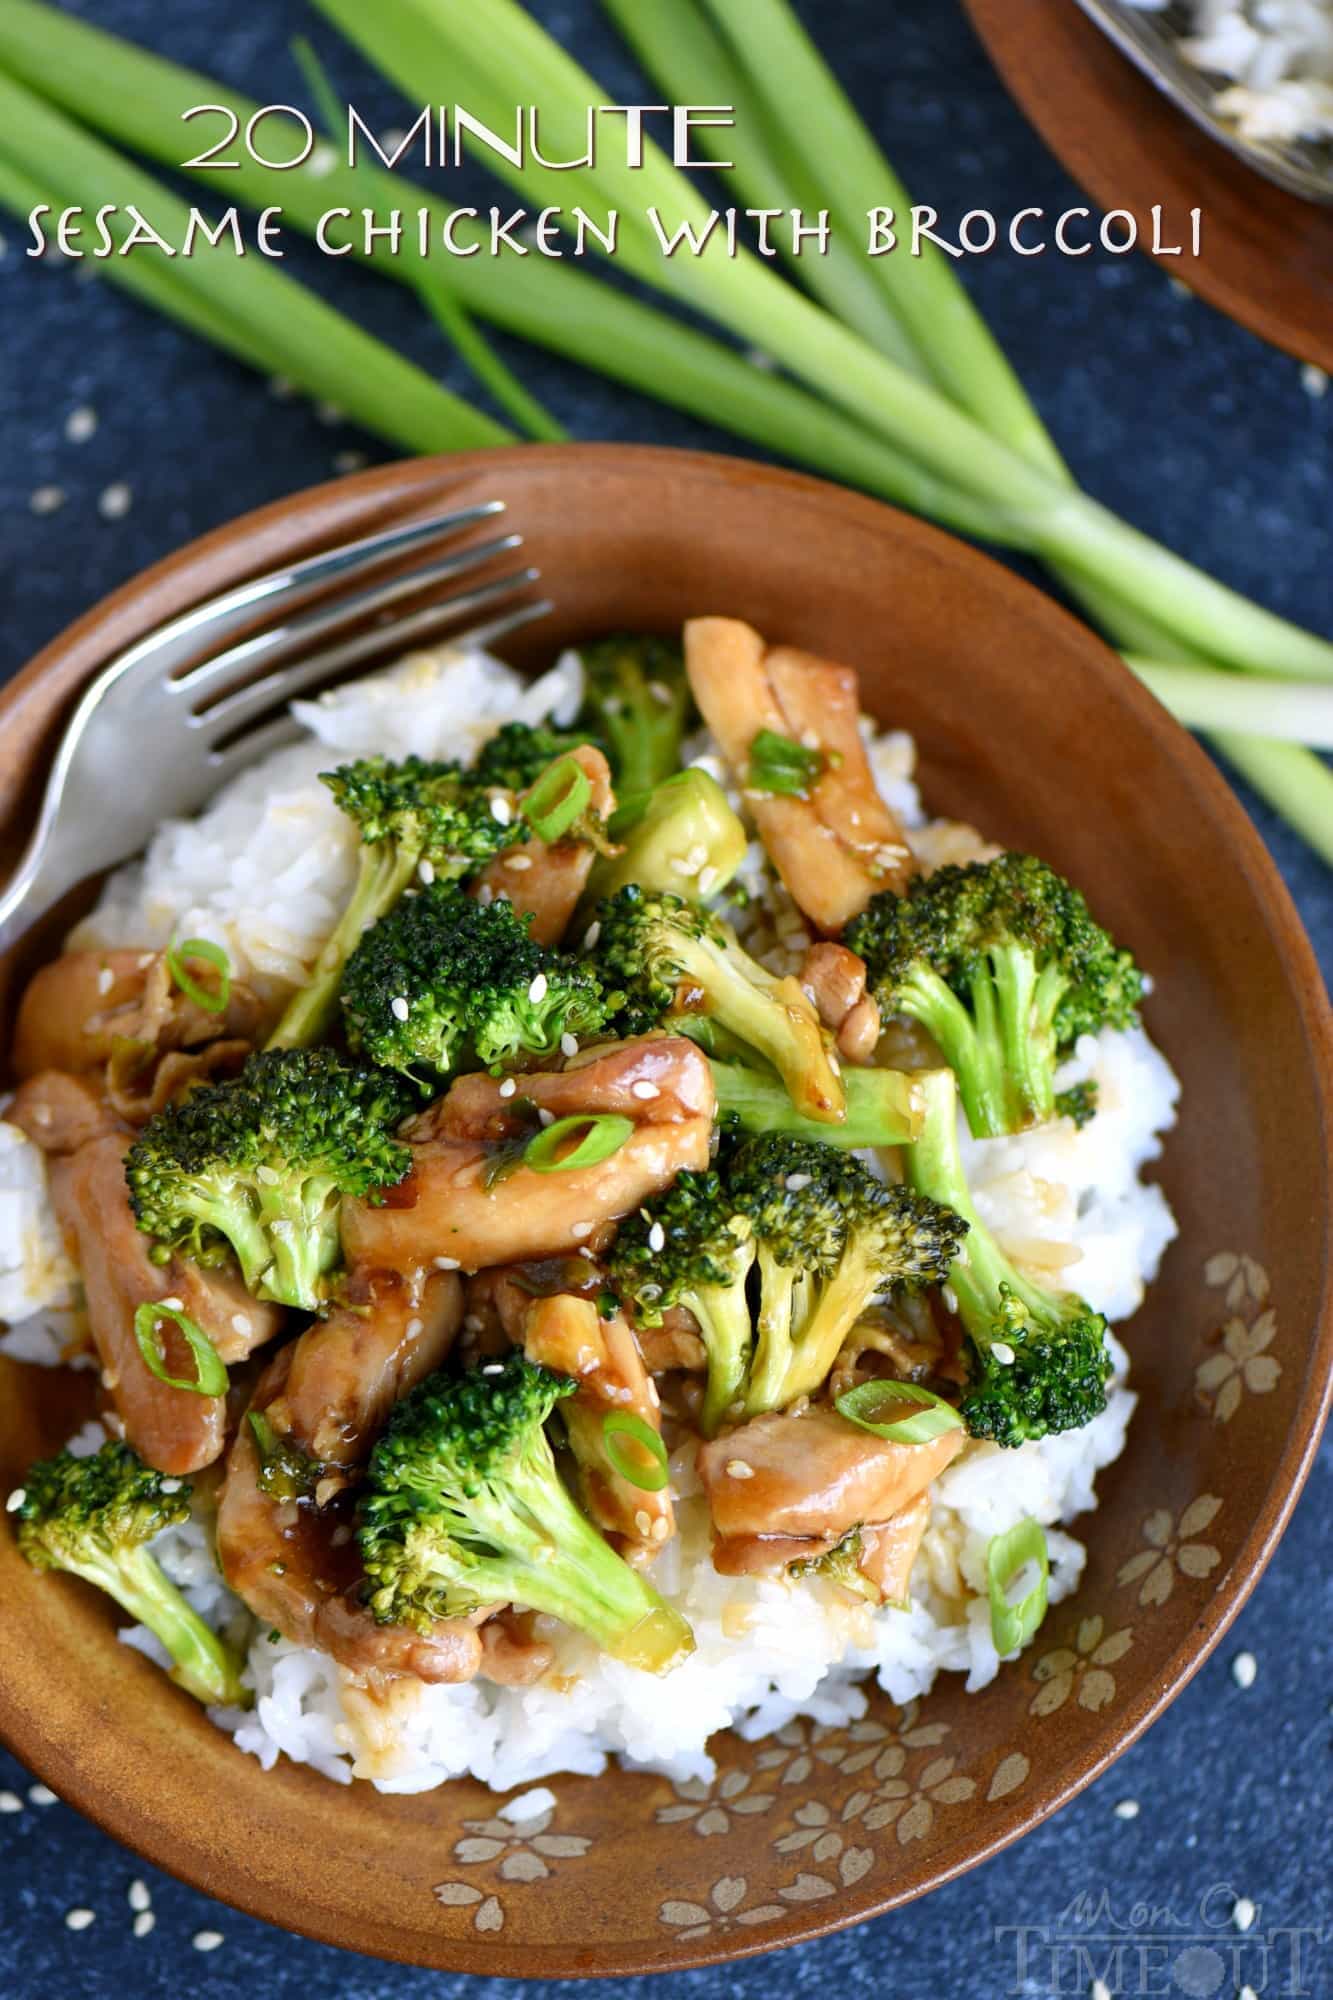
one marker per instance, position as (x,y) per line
(1177,418)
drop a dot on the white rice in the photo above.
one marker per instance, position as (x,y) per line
(1275,59)
(262,872)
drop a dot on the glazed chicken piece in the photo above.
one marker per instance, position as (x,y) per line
(569,1336)
(445,1208)
(838,846)
(813,1475)
(889,1549)
(78,1009)
(548,880)
(176,1430)
(60,1113)
(835,979)
(347,1372)
(299,1570)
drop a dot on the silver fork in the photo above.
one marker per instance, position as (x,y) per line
(1303,167)
(149,741)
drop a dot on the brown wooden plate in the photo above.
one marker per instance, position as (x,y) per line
(815,1828)
(1267,255)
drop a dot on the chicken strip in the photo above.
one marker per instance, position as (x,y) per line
(547,880)
(81,1006)
(176,1430)
(814,1474)
(347,1371)
(839,844)
(299,1570)
(885,1553)
(60,1113)
(470,1200)
(569,1335)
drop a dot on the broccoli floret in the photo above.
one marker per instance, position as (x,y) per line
(519,752)
(682,831)
(636,703)
(841,1565)
(830,1237)
(1003,963)
(675,960)
(258,1165)
(693,1247)
(406,814)
(1079,1102)
(884,1106)
(95,1517)
(822,1237)
(1038,1359)
(444,981)
(463,1507)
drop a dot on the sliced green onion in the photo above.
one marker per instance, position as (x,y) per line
(212,954)
(777,764)
(604,1133)
(869,1404)
(618,1424)
(211,1378)
(1013,1624)
(560,794)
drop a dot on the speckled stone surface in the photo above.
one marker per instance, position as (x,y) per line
(1169,413)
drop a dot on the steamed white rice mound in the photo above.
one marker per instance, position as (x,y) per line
(263,872)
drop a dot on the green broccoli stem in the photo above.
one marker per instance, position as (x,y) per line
(982,1273)
(302,1246)
(840,1302)
(724,1324)
(559,1563)
(1026,1001)
(970,1043)
(773,1348)
(883,1106)
(384,872)
(770,1015)
(233,1216)
(202,1664)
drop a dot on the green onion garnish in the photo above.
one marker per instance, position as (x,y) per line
(869,1405)
(212,954)
(618,1424)
(777,764)
(211,1378)
(1013,1624)
(560,794)
(604,1133)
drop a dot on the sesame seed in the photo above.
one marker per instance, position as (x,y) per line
(653,1396)
(537,990)
(1126,1809)
(328,414)
(399,1008)
(1099,1990)
(501,810)
(240,1323)
(106,979)
(206,1940)
(591,935)
(485,895)
(280,388)
(139,1898)
(426,873)
(660,1529)
(518,862)
(143,1923)
(1243,1913)
(447,1264)
(644,1090)
(173,1304)
(170,1486)
(795,1182)
(508,1087)
(41,1795)
(1244,1669)
(657,1237)
(79,1919)
(46,499)
(473,1323)
(642,1521)
(414,1327)
(493,1368)
(738,1469)
(578,1230)
(569,1045)
(1314,380)
(16,1500)
(114,502)
(707,880)
(10,1802)
(80,424)
(1002,1352)
(660,692)
(545,1118)
(268,1175)
(349,461)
